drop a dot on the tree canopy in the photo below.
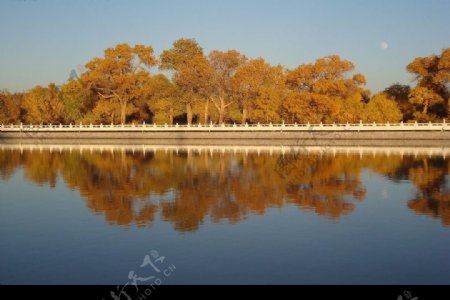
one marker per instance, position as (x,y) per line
(123,86)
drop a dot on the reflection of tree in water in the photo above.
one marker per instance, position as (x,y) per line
(187,187)
(323,183)
(430,175)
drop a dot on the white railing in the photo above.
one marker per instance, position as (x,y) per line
(231,127)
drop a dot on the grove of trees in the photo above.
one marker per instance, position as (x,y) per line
(124,86)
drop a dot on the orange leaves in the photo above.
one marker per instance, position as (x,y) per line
(359,79)
(43,105)
(304,107)
(381,109)
(431,93)
(10,105)
(227,86)
(180,54)
(120,75)
(325,76)
(321,92)
(192,74)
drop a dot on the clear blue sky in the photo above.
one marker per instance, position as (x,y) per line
(41,41)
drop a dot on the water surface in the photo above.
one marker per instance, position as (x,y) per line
(224,215)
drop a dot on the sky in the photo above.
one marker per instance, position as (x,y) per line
(41,41)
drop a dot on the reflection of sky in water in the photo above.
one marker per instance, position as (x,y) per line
(225,218)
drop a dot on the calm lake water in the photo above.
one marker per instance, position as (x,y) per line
(223,215)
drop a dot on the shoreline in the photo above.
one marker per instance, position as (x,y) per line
(338,142)
(242,137)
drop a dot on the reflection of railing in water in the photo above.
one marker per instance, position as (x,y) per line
(228,127)
(429,151)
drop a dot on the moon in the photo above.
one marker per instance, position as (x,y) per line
(384,45)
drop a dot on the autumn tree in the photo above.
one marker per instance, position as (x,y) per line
(191,72)
(43,105)
(10,107)
(77,99)
(253,81)
(309,107)
(318,90)
(381,109)
(267,106)
(431,94)
(163,99)
(119,78)
(224,65)
(400,94)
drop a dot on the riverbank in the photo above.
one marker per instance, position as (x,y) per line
(229,135)
(286,134)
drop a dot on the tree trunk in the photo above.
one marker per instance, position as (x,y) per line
(425,108)
(221,110)
(123,113)
(189,113)
(244,115)
(206,111)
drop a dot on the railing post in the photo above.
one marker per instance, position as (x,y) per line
(246,124)
(101,125)
(21,125)
(70,125)
(258,125)
(60,125)
(91,126)
(176,125)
